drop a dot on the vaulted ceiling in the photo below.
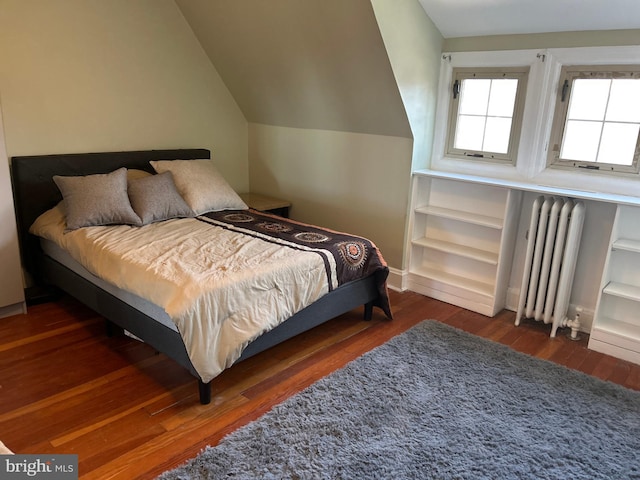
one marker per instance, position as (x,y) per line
(318,64)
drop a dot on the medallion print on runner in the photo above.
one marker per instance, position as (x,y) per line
(239,217)
(274,227)
(353,253)
(346,257)
(312,237)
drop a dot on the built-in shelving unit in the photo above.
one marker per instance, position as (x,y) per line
(462,240)
(616,325)
(462,234)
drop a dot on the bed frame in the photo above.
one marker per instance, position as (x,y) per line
(35,192)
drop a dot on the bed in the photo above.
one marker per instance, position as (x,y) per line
(36,192)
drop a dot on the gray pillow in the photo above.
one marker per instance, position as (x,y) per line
(155,198)
(201,185)
(99,199)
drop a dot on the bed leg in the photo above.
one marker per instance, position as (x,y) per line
(112,329)
(205,392)
(368,311)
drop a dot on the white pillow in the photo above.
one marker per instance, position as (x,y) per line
(201,185)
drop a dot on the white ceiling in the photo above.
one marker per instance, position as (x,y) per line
(468,18)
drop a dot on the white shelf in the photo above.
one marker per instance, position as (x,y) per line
(620,328)
(616,338)
(616,324)
(457,249)
(473,218)
(623,290)
(525,186)
(461,242)
(456,280)
(626,244)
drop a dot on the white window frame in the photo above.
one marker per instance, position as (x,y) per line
(461,74)
(440,159)
(568,74)
(531,163)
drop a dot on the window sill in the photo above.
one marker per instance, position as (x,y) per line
(537,187)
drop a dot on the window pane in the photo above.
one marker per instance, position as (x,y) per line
(496,137)
(618,143)
(474,96)
(469,132)
(485,118)
(503,97)
(580,141)
(624,101)
(599,124)
(588,99)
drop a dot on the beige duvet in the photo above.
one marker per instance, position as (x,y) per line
(221,288)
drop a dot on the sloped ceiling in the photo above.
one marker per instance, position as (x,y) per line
(318,64)
(468,18)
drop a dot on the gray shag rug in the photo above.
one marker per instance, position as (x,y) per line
(436,402)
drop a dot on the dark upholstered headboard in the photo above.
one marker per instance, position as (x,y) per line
(35,191)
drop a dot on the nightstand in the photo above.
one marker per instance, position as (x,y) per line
(267,204)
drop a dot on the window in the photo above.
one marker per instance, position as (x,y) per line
(597,118)
(534,143)
(486,112)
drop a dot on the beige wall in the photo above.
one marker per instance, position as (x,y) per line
(318,64)
(345,181)
(414,46)
(89,75)
(92,75)
(359,182)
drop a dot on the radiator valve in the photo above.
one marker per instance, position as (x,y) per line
(574,324)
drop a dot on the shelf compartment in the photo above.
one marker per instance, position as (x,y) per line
(457,249)
(619,328)
(622,268)
(460,236)
(622,290)
(463,216)
(616,324)
(458,281)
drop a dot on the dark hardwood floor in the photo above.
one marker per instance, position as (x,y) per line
(127,412)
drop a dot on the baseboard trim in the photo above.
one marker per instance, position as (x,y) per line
(395,280)
(15,309)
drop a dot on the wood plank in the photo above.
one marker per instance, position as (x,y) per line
(130,413)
